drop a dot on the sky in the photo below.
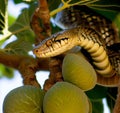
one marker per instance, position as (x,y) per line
(6,85)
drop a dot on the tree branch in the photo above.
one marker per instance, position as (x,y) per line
(26,65)
(55,67)
(42,14)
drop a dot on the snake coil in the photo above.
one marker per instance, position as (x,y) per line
(94,33)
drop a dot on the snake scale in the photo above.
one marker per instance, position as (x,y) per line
(94,33)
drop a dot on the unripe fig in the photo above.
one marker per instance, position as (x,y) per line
(64,97)
(77,70)
(24,99)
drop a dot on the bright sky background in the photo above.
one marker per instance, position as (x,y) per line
(6,85)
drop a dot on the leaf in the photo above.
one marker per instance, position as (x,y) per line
(11,19)
(53,4)
(5,71)
(111,97)
(97,106)
(109,5)
(21,46)
(3,9)
(26,1)
(97,93)
(22,24)
(21,28)
(3,21)
(117,22)
(108,14)
(3,16)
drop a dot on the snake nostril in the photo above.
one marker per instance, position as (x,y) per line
(36,50)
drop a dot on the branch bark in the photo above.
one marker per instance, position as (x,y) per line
(41,14)
(44,15)
(26,65)
(55,67)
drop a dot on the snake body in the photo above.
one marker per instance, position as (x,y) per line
(94,33)
(84,16)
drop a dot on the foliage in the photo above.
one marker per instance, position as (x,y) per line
(25,37)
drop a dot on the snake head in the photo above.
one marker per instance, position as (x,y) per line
(56,44)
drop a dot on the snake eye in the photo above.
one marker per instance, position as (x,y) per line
(49,42)
(59,39)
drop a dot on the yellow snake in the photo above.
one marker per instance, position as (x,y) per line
(94,33)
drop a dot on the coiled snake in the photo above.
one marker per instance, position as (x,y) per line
(94,33)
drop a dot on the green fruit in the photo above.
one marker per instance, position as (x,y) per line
(65,97)
(25,99)
(77,70)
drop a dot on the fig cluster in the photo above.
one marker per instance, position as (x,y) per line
(67,96)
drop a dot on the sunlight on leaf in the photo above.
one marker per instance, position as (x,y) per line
(11,19)
(21,25)
(3,14)
(4,19)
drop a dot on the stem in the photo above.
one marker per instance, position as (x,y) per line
(58,10)
(8,33)
(67,5)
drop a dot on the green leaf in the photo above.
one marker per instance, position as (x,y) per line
(3,9)
(97,106)
(21,28)
(111,5)
(3,16)
(11,19)
(18,1)
(108,14)
(111,97)
(53,4)
(25,1)
(97,93)
(5,71)
(21,46)
(117,22)
(22,24)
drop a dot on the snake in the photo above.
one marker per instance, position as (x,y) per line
(94,33)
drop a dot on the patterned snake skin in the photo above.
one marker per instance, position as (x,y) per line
(84,16)
(98,39)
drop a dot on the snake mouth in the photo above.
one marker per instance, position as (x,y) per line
(51,48)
